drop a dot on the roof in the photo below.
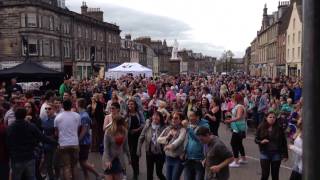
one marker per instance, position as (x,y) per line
(299,8)
(285,19)
(30,70)
(130,67)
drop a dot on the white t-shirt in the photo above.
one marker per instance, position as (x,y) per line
(67,123)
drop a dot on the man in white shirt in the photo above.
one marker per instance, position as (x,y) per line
(67,124)
(49,96)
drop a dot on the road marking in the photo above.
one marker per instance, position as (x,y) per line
(256,159)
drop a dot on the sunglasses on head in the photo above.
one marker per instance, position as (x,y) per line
(48,108)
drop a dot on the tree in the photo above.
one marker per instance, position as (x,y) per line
(226,59)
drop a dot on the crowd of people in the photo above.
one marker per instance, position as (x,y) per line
(172,120)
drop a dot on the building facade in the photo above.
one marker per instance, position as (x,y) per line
(247,60)
(44,31)
(267,48)
(158,54)
(294,41)
(195,63)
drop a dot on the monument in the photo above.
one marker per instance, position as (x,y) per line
(175,49)
(183,66)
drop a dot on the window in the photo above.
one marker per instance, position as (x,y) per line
(84,54)
(102,54)
(33,47)
(94,34)
(293,38)
(32,20)
(66,28)
(78,52)
(40,47)
(294,23)
(79,31)
(51,23)
(52,48)
(101,36)
(40,21)
(109,38)
(23,20)
(288,54)
(288,39)
(292,53)
(299,37)
(87,34)
(299,52)
(67,50)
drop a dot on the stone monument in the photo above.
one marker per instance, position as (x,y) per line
(175,49)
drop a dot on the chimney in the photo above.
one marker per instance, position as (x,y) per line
(95,13)
(84,8)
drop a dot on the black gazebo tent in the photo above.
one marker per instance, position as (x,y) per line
(31,72)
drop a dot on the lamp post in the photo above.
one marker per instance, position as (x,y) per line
(25,48)
(311,81)
(229,56)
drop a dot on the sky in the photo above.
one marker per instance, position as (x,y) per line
(206,26)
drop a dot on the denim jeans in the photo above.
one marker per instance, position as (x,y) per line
(270,161)
(174,168)
(26,169)
(193,170)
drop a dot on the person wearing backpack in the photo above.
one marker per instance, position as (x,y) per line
(154,151)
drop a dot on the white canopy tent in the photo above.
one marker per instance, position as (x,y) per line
(134,69)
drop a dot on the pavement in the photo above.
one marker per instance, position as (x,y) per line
(250,171)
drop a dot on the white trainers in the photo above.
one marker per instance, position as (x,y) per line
(243,161)
(234,165)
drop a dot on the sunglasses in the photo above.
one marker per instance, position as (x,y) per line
(48,109)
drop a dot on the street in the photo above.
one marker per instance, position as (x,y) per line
(250,171)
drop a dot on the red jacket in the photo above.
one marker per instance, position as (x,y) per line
(152,89)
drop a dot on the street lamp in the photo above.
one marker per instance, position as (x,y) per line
(229,56)
(25,47)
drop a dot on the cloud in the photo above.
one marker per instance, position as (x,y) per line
(143,24)
(157,27)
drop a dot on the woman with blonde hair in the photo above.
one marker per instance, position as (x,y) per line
(162,109)
(115,147)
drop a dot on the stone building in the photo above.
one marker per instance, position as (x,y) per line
(50,34)
(265,55)
(281,50)
(160,61)
(294,40)
(195,63)
(247,60)
(132,51)
(254,65)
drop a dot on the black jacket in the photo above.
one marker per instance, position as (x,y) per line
(277,137)
(23,138)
